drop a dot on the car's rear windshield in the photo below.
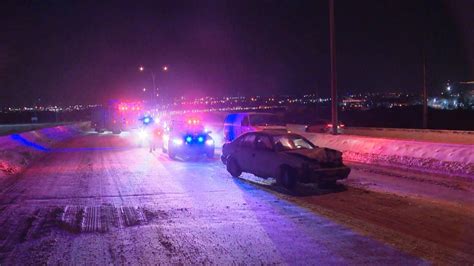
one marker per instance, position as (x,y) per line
(291,142)
(265,120)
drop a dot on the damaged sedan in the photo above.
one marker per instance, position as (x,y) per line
(289,158)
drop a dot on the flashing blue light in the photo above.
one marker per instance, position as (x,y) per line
(189,139)
(146,120)
(201,139)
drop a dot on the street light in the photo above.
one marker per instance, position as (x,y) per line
(142,69)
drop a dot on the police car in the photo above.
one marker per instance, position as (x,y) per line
(187,138)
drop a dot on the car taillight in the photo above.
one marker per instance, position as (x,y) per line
(329,125)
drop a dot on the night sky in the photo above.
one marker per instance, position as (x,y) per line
(89,51)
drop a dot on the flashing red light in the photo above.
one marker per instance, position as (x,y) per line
(329,125)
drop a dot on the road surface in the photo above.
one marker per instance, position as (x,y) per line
(99,199)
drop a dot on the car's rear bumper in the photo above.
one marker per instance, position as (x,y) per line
(324,174)
(192,150)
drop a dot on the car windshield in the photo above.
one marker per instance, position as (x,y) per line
(265,120)
(291,142)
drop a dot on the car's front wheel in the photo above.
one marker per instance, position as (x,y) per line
(286,178)
(233,168)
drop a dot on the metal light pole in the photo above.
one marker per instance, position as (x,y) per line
(332,43)
(153,76)
(154,85)
(425,93)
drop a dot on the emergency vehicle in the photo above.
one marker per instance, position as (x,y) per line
(117,116)
(187,138)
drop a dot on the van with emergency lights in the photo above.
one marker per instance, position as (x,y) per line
(236,124)
(107,119)
(187,138)
(116,116)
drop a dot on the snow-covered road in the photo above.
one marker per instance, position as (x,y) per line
(98,199)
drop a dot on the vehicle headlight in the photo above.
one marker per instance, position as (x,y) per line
(143,134)
(210,142)
(177,142)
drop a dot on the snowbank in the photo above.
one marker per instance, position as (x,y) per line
(18,150)
(456,159)
(430,135)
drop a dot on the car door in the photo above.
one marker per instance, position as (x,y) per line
(244,151)
(264,157)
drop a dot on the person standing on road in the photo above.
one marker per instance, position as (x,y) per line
(156,133)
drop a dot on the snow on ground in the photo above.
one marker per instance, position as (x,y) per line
(99,199)
(18,128)
(18,150)
(430,135)
(455,159)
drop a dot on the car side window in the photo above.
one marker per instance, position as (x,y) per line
(248,141)
(264,143)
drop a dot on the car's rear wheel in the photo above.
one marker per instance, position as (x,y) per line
(286,178)
(233,168)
